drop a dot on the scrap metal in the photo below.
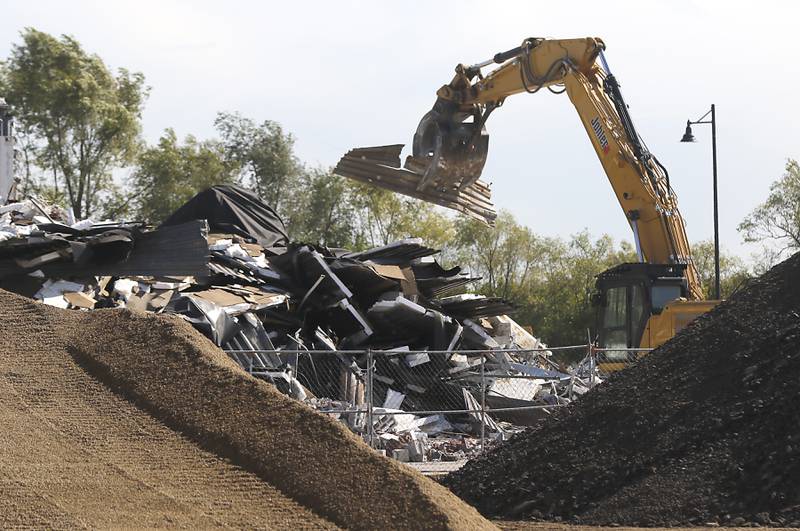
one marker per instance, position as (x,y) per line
(380,166)
(299,315)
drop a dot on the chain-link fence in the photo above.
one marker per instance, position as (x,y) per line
(387,394)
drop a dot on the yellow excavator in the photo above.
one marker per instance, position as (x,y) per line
(640,305)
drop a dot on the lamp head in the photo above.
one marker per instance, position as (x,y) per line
(688,136)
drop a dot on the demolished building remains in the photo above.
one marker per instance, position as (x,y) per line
(338,329)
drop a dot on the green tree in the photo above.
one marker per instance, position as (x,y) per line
(558,304)
(777,220)
(384,217)
(264,154)
(506,256)
(549,279)
(170,173)
(732,270)
(322,211)
(85,119)
(436,229)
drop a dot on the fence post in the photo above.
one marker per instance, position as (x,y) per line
(571,388)
(592,365)
(370,426)
(483,402)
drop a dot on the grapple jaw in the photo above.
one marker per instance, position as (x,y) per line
(449,150)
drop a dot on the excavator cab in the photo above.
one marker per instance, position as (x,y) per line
(637,305)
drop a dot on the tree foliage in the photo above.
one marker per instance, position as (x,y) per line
(84,119)
(777,220)
(732,270)
(506,256)
(169,173)
(549,279)
(322,211)
(384,217)
(265,155)
(338,212)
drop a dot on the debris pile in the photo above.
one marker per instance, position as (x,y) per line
(701,431)
(307,318)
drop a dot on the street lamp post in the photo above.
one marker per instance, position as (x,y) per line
(689,137)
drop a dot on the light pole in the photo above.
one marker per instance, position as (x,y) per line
(689,137)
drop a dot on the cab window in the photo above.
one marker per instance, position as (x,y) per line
(663,294)
(637,310)
(615,319)
(623,320)
(616,308)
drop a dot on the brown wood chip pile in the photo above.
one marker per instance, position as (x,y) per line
(112,418)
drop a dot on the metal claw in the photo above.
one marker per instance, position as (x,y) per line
(449,151)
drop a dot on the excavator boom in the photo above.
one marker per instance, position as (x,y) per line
(451,143)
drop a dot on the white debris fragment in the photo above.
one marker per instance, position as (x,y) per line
(58,301)
(417,359)
(235,251)
(56,288)
(126,288)
(517,388)
(84,224)
(171,285)
(220,245)
(394,399)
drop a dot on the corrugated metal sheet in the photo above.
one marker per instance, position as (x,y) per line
(397,253)
(217,268)
(380,166)
(475,308)
(440,286)
(179,250)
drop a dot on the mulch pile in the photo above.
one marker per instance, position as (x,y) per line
(705,429)
(169,371)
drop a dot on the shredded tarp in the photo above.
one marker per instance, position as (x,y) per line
(234,210)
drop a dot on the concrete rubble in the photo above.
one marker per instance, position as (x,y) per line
(307,318)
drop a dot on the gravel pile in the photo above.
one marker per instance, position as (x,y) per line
(705,429)
(144,413)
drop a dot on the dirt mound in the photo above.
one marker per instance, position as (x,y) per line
(705,429)
(112,419)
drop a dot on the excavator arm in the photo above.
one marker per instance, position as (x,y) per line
(450,145)
(640,182)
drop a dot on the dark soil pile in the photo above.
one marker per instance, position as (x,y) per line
(144,414)
(705,429)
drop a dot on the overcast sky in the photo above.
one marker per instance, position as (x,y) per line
(345,74)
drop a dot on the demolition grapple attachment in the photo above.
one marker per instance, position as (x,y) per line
(448,154)
(449,148)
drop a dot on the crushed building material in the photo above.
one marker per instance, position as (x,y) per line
(142,412)
(704,429)
(297,315)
